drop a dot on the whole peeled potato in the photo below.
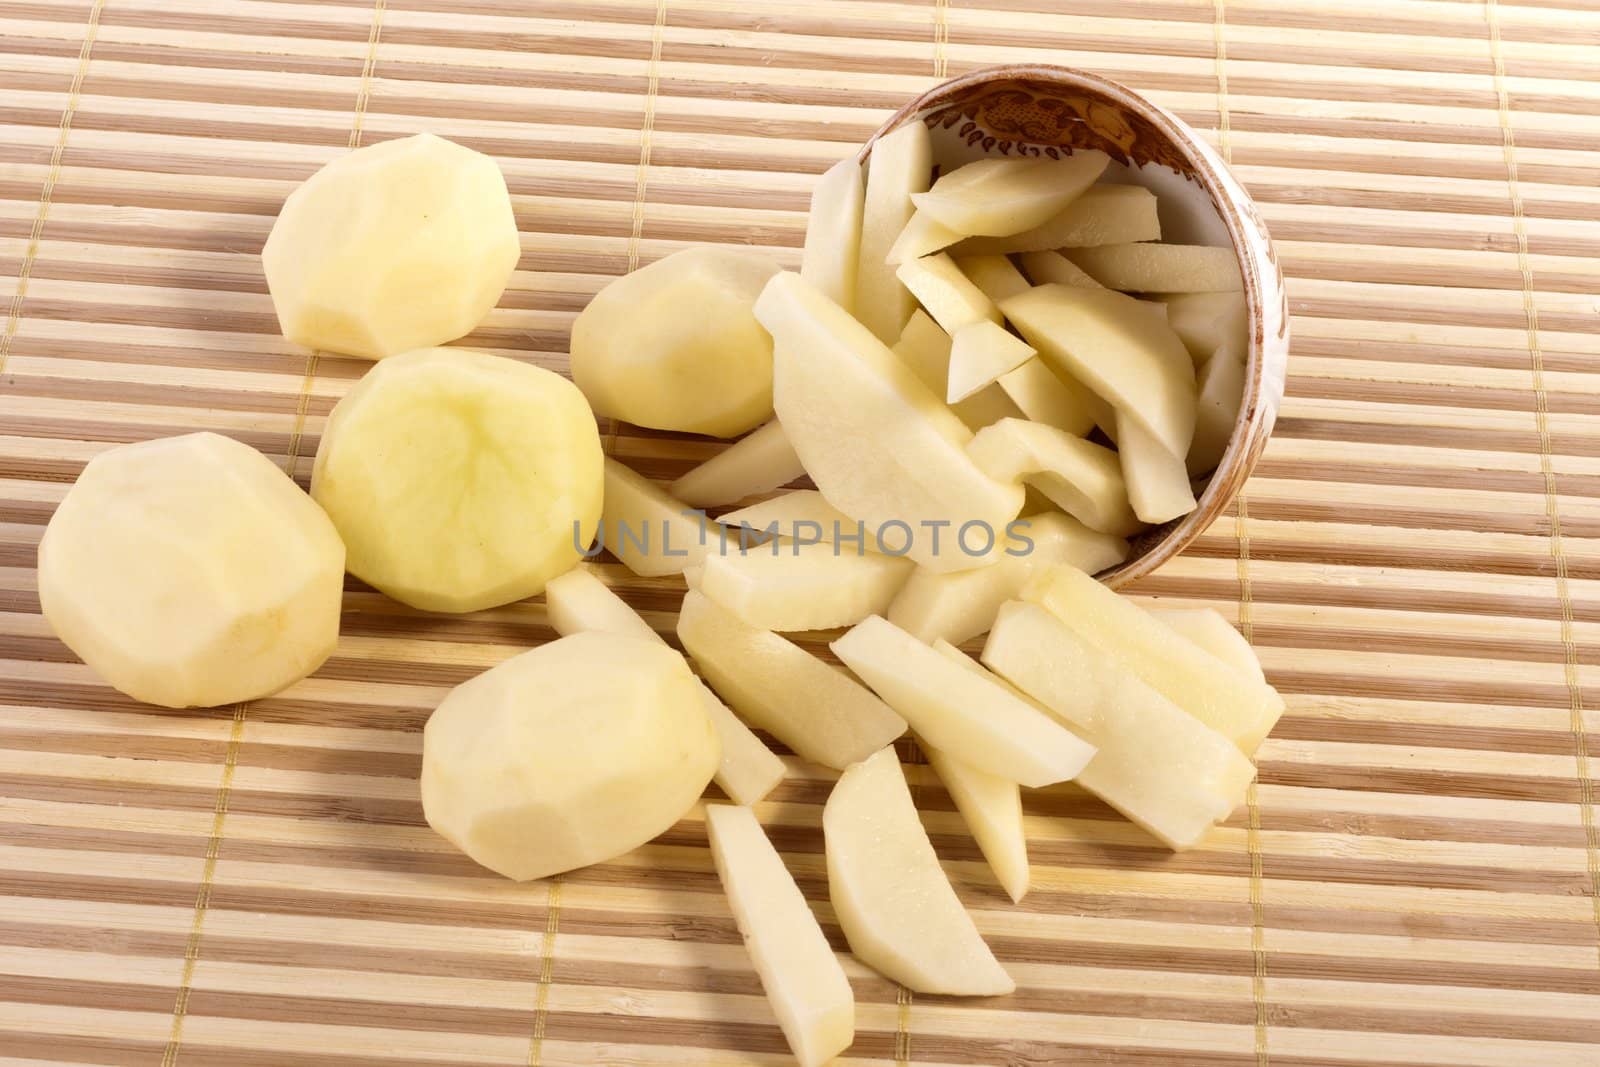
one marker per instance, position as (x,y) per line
(570,754)
(675,345)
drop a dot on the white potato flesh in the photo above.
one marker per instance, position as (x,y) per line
(979,354)
(1104,214)
(1112,344)
(803,515)
(578,602)
(1208,629)
(571,754)
(1217,409)
(959,606)
(1082,478)
(892,899)
(1157,480)
(878,443)
(923,236)
(833,232)
(945,292)
(816,709)
(1044,396)
(1235,705)
(674,345)
(399,245)
(803,980)
(926,349)
(803,585)
(901,164)
(1207,322)
(190,572)
(995,275)
(759,462)
(998,197)
(960,710)
(1053,268)
(460,480)
(991,807)
(1156,764)
(648,530)
(1158,268)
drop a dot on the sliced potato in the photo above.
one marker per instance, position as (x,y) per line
(647,530)
(1217,410)
(923,236)
(991,807)
(816,709)
(759,462)
(926,349)
(1157,480)
(1104,214)
(995,275)
(1053,268)
(1044,396)
(892,899)
(1158,268)
(1209,321)
(1082,478)
(1208,629)
(901,164)
(799,585)
(833,232)
(945,292)
(802,515)
(979,354)
(997,197)
(578,602)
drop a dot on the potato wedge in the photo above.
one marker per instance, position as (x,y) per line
(758,462)
(1158,268)
(1044,396)
(991,807)
(1157,480)
(833,232)
(1208,629)
(802,515)
(1217,409)
(1104,214)
(647,530)
(997,197)
(1053,268)
(1082,478)
(979,354)
(995,275)
(1208,321)
(945,292)
(923,236)
(803,585)
(901,164)
(926,349)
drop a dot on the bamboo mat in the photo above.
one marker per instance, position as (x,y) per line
(1417,559)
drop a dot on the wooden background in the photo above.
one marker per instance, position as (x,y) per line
(1418,558)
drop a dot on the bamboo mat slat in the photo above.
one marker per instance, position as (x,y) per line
(1416,880)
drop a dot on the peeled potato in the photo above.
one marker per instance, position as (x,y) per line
(901,164)
(759,462)
(997,197)
(190,572)
(1083,479)
(1103,214)
(398,245)
(460,480)
(675,346)
(1158,268)
(570,754)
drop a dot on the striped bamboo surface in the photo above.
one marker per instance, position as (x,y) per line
(1417,559)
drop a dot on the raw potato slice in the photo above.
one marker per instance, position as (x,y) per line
(1158,765)
(647,530)
(923,236)
(460,480)
(1235,705)
(1104,214)
(901,164)
(814,708)
(879,445)
(945,292)
(1215,634)
(1217,410)
(801,976)
(1045,397)
(1082,478)
(892,899)
(995,275)
(925,348)
(958,607)
(795,585)
(804,516)
(399,245)
(991,806)
(979,354)
(570,754)
(833,232)
(959,710)
(1158,482)
(1157,268)
(1209,321)
(1053,268)
(757,463)
(189,572)
(998,197)
(1113,345)
(578,601)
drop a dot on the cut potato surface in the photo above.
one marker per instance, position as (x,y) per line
(959,606)
(757,463)
(923,236)
(1082,478)
(946,293)
(901,164)
(802,978)
(399,245)
(979,354)
(570,754)
(460,480)
(1208,629)
(1104,214)
(1158,268)
(1235,705)
(1113,345)
(1209,321)
(991,806)
(995,275)
(1043,396)
(647,530)
(880,446)
(802,515)
(1157,480)
(926,349)
(1217,409)
(960,710)
(833,232)
(816,709)
(892,899)
(803,585)
(674,345)
(996,197)
(1053,268)
(578,602)
(190,572)
(1155,763)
